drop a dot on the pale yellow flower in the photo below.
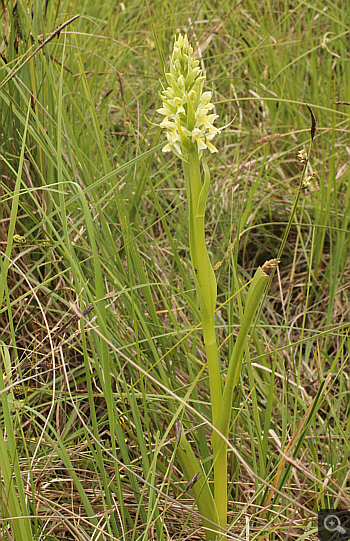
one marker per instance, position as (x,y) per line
(185,105)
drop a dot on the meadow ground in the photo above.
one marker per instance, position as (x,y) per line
(94,213)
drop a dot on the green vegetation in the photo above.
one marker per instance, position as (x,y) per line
(105,388)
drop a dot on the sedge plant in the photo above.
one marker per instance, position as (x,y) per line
(189,126)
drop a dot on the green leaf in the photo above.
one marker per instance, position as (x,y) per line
(235,364)
(200,490)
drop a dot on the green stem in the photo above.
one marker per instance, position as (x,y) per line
(205,279)
(206,289)
(219,447)
(221,400)
(220,483)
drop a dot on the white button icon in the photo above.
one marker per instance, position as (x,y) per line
(332,524)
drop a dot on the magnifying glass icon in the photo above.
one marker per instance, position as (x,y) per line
(332,524)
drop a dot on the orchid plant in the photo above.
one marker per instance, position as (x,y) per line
(189,126)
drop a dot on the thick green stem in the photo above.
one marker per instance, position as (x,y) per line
(220,482)
(205,281)
(206,288)
(211,350)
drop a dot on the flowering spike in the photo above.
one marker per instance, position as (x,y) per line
(185,105)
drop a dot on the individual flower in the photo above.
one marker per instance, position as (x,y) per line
(18,238)
(302,156)
(270,264)
(306,183)
(186,108)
